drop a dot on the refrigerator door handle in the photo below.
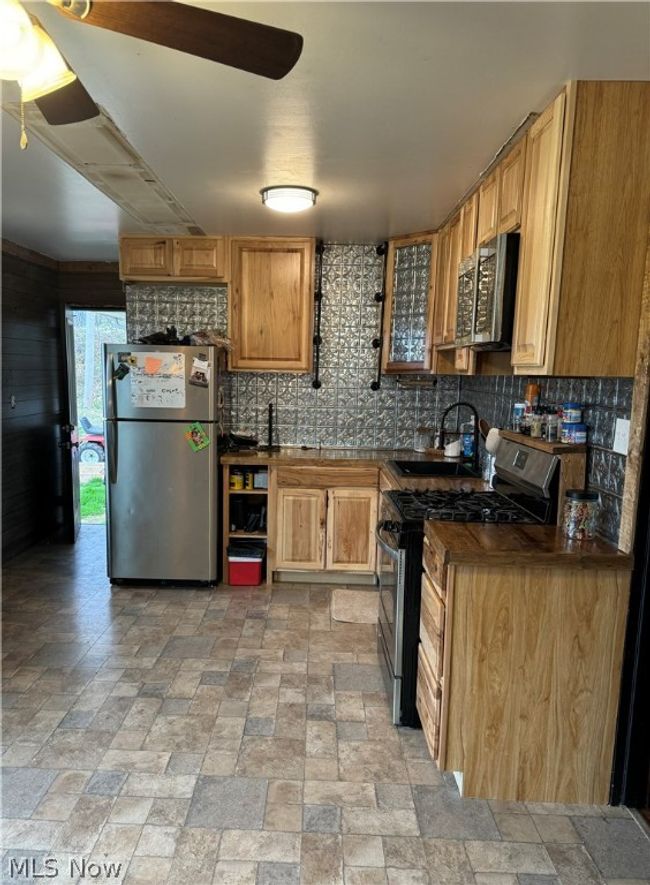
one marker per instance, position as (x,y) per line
(110,386)
(112,445)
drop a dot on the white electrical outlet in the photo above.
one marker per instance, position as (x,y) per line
(622,436)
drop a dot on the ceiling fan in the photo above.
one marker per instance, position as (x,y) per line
(249,46)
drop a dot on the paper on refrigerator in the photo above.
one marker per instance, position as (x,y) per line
(158,381)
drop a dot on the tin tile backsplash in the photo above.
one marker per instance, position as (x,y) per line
(345,411)
(605,400)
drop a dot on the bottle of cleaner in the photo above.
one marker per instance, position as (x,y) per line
(467,438)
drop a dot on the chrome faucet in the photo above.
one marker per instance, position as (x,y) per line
(475,458)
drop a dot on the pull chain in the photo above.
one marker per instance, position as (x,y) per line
(24,141)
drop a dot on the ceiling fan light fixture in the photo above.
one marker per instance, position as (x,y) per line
(289,198)
(49,74)
(19,44)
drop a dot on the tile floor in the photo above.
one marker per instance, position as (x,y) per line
(241,736)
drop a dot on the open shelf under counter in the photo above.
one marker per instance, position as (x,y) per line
(256,499)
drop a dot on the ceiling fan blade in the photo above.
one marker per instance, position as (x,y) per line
(248,46)
(70,104)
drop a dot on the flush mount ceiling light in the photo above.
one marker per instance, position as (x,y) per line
(287,198)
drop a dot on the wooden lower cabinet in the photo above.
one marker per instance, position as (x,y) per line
(351,521)
(428,696)
(322,529)
(300,529)
(518,677)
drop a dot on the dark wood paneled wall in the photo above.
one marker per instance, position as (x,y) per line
(90,284)
(35,290)
(31,372)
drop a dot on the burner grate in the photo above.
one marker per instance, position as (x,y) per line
(460,506)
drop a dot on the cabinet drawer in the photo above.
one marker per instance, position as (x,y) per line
(432,625)
(435,567)
(428,697)
(327,477)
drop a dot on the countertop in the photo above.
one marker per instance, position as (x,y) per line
(318,457)
(357,457)
(520,546)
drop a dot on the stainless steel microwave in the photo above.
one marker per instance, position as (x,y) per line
(487,282)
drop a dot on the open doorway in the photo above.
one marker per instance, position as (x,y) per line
(91,329)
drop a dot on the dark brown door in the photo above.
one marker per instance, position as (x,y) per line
(69,441)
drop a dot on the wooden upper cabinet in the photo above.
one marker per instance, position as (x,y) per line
(300,529)
(538,237)
(203,257)
(488,208)
(511,188)
(451,299)
(468,223)
(271,304)
(191,259)
(408,314)
(351,522)
(146,257)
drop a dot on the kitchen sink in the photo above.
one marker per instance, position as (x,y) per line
(433,468)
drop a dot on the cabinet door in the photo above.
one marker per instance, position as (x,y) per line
(409,292)
(300,529)
(511,188)
(441,287)
(468,223)
(351,522)
(488,208)
(200,257)
(146,257)
(451,300)
(272,304)
(538,229)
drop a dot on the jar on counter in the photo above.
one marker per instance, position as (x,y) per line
(572,413)
(574,434)
(580,517)
(551,427)
(536,425)
(518,411)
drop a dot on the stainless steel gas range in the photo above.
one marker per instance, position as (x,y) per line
(525,491)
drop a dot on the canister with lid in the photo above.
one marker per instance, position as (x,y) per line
(572,413)
(574,434)
(580,516)
(236,479)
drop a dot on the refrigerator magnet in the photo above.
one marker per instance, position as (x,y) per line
(200,374)
(196,437)
(121,371)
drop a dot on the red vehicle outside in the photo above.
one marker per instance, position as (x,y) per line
(91,446)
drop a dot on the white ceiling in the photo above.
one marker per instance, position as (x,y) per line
(391,112)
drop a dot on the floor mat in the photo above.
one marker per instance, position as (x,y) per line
(355,606)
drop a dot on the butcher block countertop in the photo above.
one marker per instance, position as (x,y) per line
(520,546)
(294,456)
(364,458)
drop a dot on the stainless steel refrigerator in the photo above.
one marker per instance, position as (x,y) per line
(161,407)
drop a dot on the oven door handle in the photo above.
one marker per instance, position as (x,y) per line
(393,552)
